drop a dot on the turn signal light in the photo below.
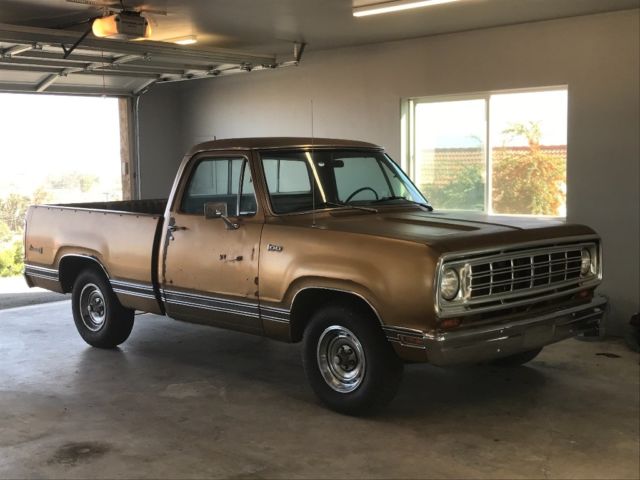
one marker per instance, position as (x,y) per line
(584,294)
(449,323)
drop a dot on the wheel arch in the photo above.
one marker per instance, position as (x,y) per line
(72,265)
(310,299)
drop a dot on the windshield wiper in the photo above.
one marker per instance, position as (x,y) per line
(348,205)
(396,197)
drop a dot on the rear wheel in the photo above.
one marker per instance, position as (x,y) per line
(517,358)
(349,363)
(99,317)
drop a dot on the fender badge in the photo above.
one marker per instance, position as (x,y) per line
(274,248)
(35,249)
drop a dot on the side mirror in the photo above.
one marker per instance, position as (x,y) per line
(215,210)
(219,210)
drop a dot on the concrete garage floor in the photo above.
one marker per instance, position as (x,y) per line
(14,292)
(185,401)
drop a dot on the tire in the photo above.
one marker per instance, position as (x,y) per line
(99,317)
(349,363)
(517,358)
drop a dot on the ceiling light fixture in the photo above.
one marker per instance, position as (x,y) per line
(367,7)
(186,40)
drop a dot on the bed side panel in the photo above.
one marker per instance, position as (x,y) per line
(123,243)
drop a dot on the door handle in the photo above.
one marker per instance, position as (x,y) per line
(175,228)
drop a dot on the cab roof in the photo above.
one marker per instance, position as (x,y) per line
(258,143)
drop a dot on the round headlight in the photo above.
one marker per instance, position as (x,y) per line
(585,264)
(449,284)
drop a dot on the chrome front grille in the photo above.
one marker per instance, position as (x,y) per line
(523,272)
(518,275)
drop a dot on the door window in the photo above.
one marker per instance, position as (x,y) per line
(220,180)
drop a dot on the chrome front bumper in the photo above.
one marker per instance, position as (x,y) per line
(494,341)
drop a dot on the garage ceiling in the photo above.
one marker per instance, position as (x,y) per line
(266,31)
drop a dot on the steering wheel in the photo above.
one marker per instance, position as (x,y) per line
(361,190)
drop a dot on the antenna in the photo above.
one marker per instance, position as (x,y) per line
(313,180)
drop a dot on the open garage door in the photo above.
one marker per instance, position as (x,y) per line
(63,61)
(54,149)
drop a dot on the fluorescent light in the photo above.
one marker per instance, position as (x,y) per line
(186,40)
(395,6)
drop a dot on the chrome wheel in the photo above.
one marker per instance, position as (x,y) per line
(93,309)
(341,359)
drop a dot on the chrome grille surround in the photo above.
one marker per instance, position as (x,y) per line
(517,275)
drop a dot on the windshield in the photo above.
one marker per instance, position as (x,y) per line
(300,181)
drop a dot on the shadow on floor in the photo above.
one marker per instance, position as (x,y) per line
(12,300)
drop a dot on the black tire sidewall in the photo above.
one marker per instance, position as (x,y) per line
(383,370)
(118,320)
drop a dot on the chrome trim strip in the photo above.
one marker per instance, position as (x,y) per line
(93,210)
(224,305)
(42,269)
(393,335)
(195,296)
(284,316)
(213,309)
(132,285)
(140,290)
(45,277)
(41,272)
(403,330)
(134,294)
(274,319)
(274,309)
(461,310)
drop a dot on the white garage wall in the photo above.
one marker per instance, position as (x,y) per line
(161,140)
(357,94)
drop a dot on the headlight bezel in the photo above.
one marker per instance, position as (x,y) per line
(449,274)
(586,254)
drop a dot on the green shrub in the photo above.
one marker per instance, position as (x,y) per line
(5,232)
(12,211)
(465,192)
(11,259)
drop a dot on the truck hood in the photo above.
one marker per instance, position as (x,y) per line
(447,231)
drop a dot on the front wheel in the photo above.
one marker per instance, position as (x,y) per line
(349,363)
(99,317)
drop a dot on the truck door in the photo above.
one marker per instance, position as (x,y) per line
(209,260)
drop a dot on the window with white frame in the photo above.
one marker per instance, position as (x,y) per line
(501,153)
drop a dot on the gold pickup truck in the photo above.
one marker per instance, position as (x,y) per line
(329,243)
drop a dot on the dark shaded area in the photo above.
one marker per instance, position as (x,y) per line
(12,300)
(75,452)
(608,355)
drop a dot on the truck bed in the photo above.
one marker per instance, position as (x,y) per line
(122,238)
